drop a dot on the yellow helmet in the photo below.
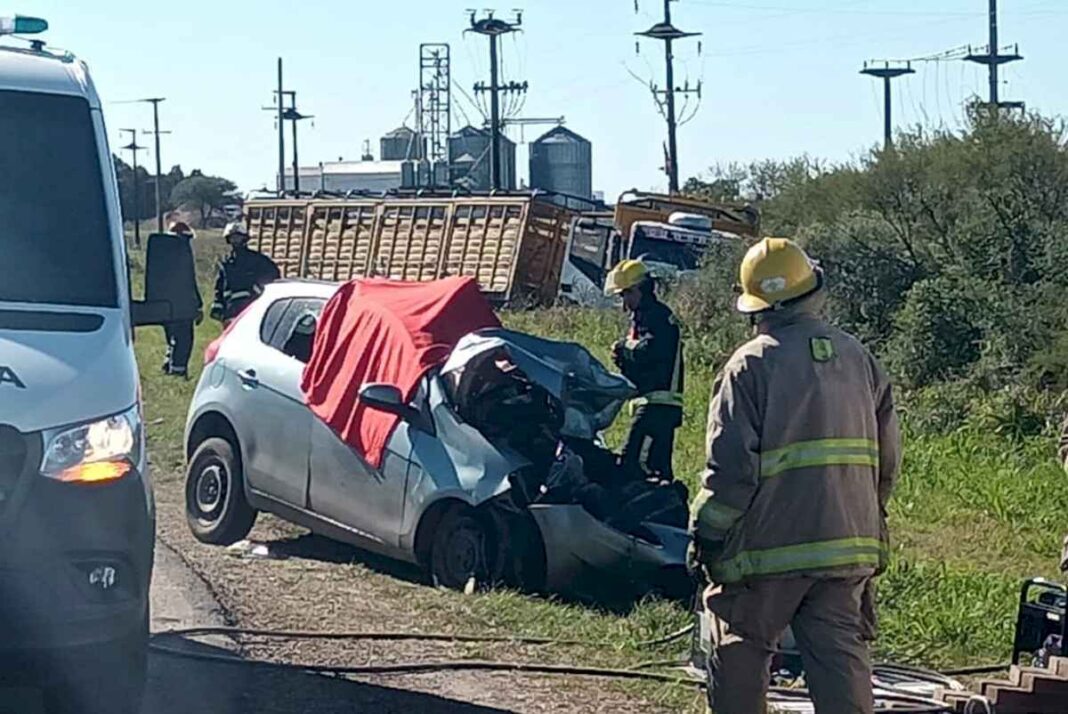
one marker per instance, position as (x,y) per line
(774,271)
(626,274)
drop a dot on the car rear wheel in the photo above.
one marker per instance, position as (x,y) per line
(460,550)
(108,679)
(215,503)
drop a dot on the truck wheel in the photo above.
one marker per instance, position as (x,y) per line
(460,549)
(103,680)
(215,505)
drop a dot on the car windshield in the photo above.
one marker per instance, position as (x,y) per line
(54,238)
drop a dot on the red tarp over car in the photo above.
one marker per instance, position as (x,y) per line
(390,332)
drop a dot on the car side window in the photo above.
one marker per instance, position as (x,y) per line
(295,333)
(271,318)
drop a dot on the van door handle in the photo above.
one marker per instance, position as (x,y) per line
(248,377)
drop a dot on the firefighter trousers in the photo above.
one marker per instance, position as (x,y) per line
(650,444)
(179,347)
(832,621)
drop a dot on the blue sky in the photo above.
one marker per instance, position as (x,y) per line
(780,77)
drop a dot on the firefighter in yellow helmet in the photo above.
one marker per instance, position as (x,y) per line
(790,523)
(650,355)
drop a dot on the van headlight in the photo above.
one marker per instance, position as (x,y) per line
(97,451)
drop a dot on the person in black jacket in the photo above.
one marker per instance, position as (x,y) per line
(650,356)
(180,334)
(241,277)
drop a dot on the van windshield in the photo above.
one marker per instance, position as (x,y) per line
(660,244)
(55,245)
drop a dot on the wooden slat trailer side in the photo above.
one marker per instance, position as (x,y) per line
(514,246)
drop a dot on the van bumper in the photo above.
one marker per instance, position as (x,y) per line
(75,565)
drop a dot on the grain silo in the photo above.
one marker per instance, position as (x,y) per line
(561,161)
(469,157)
(401,144)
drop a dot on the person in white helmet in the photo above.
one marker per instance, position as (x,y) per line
(242,275)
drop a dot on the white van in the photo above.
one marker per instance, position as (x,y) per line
(77,520)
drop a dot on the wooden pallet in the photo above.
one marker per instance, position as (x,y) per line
(1027,690)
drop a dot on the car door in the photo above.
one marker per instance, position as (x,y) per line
(276,422)
(347,489)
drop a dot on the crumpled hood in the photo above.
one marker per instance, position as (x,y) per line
(591,395)
(57,378)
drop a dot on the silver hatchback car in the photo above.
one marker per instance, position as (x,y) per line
(445,496)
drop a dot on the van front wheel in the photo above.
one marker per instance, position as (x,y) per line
(215,505)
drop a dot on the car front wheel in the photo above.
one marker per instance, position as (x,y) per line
(460,551)
(215,505)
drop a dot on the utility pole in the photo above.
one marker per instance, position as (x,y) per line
(281,136)
(291,114)
(493,29)
(133,147)
(993,59)
(159,164)
(668,34)
(887,73)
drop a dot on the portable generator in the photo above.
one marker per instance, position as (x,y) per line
(1041,622)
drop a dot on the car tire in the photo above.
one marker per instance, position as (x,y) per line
(215,504)
(107,679)
(461,549)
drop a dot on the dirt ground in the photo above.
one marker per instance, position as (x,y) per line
(321,585)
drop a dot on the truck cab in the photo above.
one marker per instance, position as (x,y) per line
(672,234)
(77,519)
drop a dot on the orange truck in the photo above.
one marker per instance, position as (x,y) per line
(522,248)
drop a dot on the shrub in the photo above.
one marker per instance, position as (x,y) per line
(937,333)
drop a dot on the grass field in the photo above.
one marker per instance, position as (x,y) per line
(974,514)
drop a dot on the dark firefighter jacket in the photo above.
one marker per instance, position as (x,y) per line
(240,280)
(651,355)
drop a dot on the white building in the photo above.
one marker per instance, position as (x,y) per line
(342,176)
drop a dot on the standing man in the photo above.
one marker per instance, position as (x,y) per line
(1062,452)
(790,524)
(650,356)
(241,277)
(180,334)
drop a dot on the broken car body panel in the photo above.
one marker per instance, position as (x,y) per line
(591,395)
(577,544)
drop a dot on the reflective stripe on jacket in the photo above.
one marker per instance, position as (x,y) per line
(803,452)
(652,355)
(240,280)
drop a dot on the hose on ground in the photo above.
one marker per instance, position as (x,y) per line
(433,666)
(420,636)
(914,704)
(979,669)
(917,704)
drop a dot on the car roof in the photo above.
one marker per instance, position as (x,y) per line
(41,71)
(300,288)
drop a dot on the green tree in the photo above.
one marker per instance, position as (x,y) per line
(202,193)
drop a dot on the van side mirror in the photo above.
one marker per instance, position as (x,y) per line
(150,312)
(170,282)
(388,398)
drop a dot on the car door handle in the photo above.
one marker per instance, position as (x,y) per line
(248,377)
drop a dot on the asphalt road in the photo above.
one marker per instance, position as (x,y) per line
(179,685)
